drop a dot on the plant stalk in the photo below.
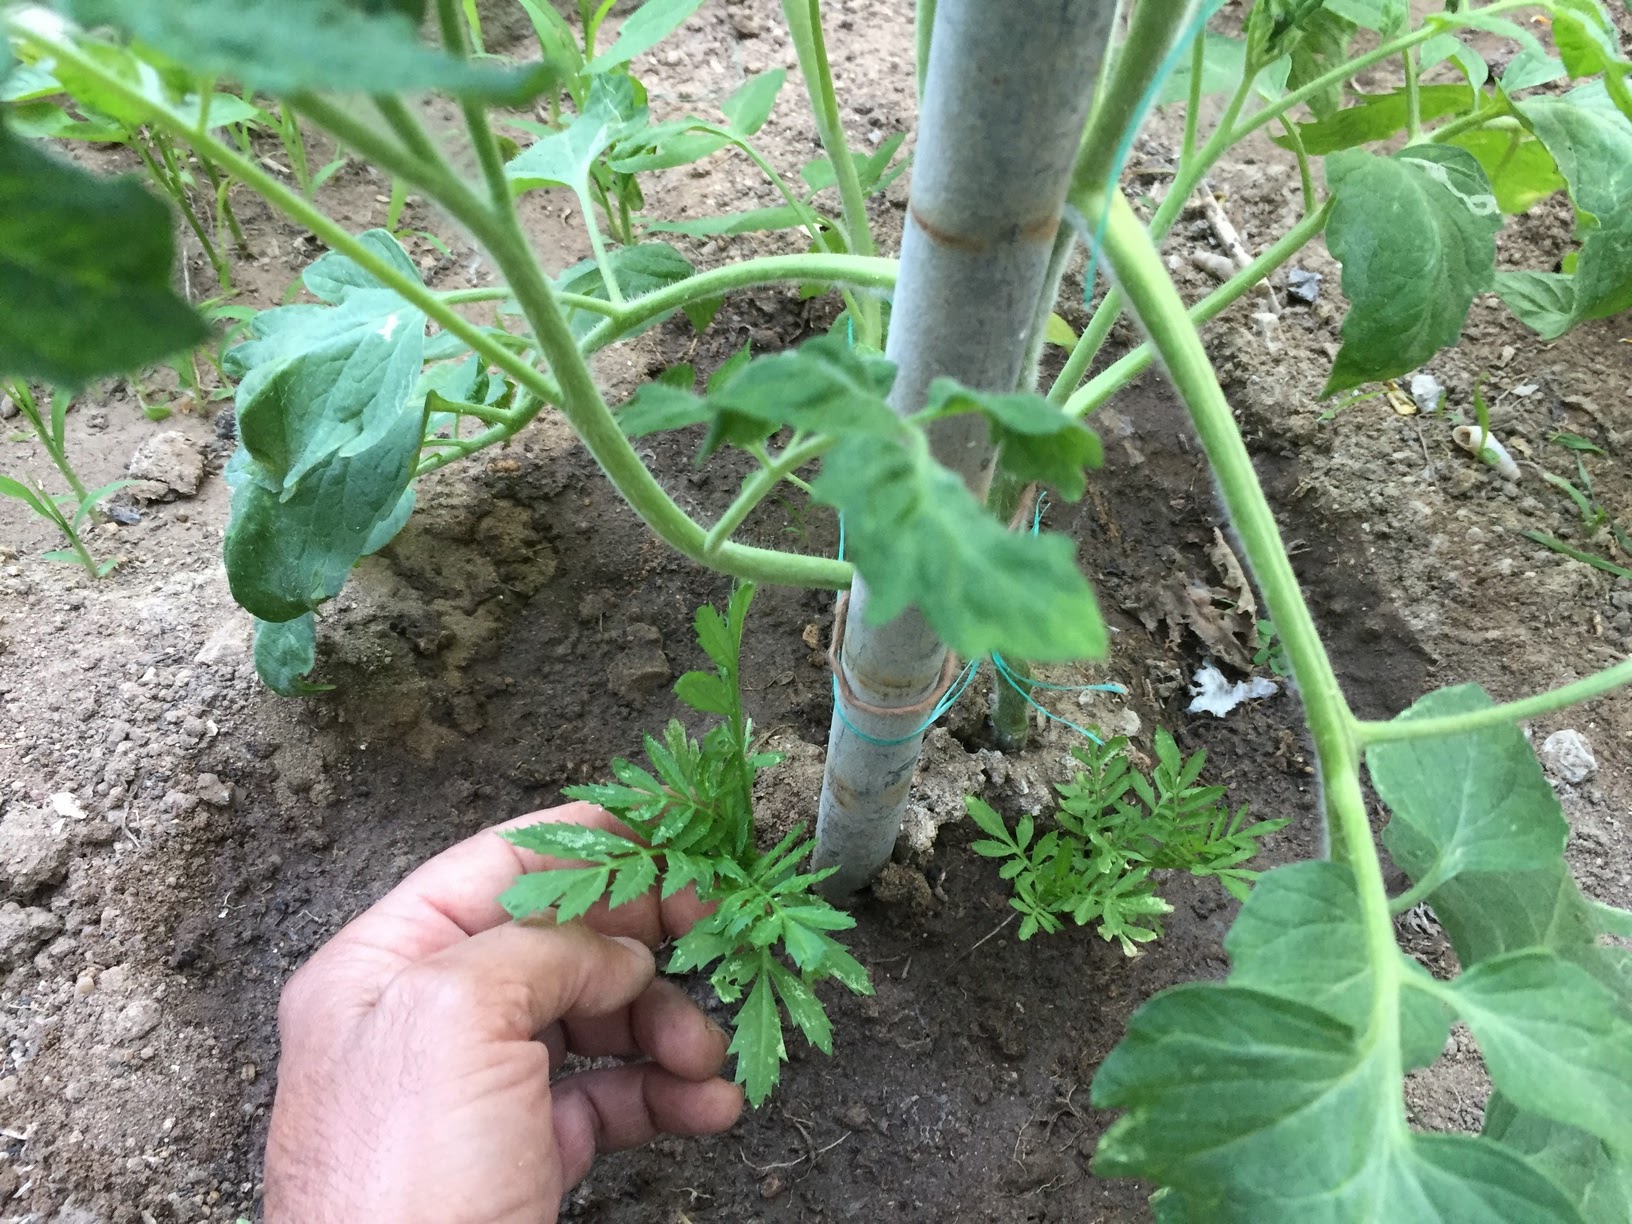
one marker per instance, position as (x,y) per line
(987,199)
(1332,726)
(804,19)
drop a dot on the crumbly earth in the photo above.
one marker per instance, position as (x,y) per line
(174,839)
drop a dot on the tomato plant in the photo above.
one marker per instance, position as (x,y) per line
(1273,1095)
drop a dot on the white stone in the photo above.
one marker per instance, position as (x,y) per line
(1568,757)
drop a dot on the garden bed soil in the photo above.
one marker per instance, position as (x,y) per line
(194,838)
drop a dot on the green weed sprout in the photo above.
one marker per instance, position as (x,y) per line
(66,511)
(691,815)
(1115,827)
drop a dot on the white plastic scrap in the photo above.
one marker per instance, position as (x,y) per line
(1427,393)
(1217,696)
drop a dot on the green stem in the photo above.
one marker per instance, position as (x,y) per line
(1485,116)
(923,31)
(475,115)
(170,182)
(23,397)
(579,398)
(1418,892)
(1065,242)
(805,29)
(1153,296)
(1595,685)
(1087,346)
(495,293)
(1111,380)
(407,128)
(223,206)
(867,272)
(1192,113)
(1413,96)
(597,245)
(1152,29)
(760,485)
(1306,178)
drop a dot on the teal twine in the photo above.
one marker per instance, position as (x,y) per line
(967,676)
(1181,48)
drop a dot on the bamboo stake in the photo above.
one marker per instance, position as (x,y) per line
(1005,101)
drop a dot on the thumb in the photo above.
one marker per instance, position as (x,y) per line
(511,982)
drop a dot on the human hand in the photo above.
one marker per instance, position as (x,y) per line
(414,1082)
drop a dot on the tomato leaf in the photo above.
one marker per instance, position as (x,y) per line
(1247,1106)
(1416,235)
(92,260)
(1591,141)
(285,653)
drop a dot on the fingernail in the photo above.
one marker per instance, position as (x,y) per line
(635,946)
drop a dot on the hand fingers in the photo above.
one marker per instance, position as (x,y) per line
(621,1107)
(663,1024)
(512,982)
(456,894)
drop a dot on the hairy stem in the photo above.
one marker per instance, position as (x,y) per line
(1595,685)
(760,485)
(1331,724)
(865,272)
(804,19)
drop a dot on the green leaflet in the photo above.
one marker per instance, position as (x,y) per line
(647,26)
(298,45)
(1474,802)
(1596,1179)
(1521,170)
(693,812)
(615,108)
(1319,41)
(873,169)
(1035,440)
(1300,935)
(758,1043)
(915,531)
(1249,1107)
(1545,302)
(1592,143)
(1373,118)
(920,538)
(288,553)
(1557,1041)
(92,260)
(1225,59)
(285,652)
(329,428)
(1416,235)
(1265,1099)
(680,142)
